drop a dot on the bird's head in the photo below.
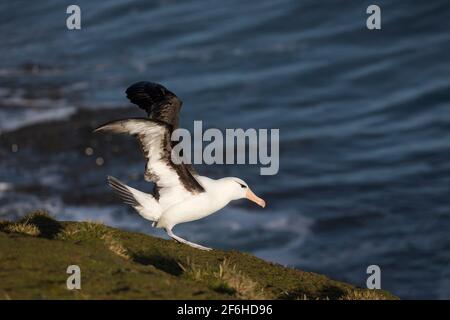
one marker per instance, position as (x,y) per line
(240,190)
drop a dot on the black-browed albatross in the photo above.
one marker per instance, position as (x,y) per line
(180,194)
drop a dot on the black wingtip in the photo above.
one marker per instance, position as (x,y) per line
(159,103)
(147,94)
(147,90)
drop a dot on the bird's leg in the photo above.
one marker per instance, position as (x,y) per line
(181,240)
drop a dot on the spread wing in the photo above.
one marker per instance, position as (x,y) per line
(154,138)
(160,104)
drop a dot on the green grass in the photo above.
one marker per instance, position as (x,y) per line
(36,251)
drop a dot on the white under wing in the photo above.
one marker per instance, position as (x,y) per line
(154,139)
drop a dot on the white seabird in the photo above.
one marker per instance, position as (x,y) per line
(180,194)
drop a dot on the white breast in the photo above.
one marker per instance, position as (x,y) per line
(195,206)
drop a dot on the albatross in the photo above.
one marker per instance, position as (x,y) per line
(180,194)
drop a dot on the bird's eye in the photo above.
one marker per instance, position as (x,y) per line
(242,186)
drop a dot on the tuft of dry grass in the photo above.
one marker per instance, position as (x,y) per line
(83,231)
(226,279)
(287,295)
(92,230)
(245,287)
(357,294)
(24,228)
(25,225)
(29,218)
(192,271)
(116,246)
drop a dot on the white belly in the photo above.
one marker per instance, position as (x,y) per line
(197,207)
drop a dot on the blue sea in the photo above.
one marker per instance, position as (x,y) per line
(364,119)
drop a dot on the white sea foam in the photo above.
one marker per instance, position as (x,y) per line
(4,186)
(30,116)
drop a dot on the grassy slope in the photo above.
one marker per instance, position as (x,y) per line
(35,252)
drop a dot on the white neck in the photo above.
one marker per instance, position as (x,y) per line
(220,191)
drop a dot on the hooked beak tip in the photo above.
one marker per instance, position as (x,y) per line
(252,197)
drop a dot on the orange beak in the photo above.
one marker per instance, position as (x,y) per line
(252,197)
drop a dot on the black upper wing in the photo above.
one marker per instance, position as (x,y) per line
(159,103)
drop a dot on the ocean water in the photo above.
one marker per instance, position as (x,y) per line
(364,119)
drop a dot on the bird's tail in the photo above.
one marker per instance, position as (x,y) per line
(145,204)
